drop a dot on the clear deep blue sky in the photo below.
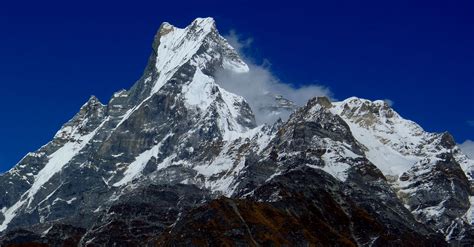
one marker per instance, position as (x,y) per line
(54,55)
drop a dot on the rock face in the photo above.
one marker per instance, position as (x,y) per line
(429,172)
(178,160)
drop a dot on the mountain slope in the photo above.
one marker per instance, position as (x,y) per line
(177,153)
(432,176)
(110,145)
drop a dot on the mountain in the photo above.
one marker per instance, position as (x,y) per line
(179,160)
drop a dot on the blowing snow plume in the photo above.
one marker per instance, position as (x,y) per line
(468,148)
(269,98)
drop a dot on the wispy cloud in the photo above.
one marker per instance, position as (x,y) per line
(389,102)
(238,42)
(467,148)
(260,81)
(470,123)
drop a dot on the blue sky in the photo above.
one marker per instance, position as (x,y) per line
(419,54)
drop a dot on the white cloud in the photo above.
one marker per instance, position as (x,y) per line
(467,148)
(256,85)
(237,42)
(389,102)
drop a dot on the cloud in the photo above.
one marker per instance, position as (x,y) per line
(237,42)
(467,148)
(259,85)
(389,102)
(470,123)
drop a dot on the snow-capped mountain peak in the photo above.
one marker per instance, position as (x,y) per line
(150,162)
(176,46)
(413,160)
